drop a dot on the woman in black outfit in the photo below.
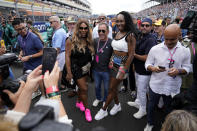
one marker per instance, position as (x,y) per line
(79,54)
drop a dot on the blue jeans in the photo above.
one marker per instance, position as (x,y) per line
(98,78)
(153,101)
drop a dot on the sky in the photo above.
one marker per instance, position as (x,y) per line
(114,6)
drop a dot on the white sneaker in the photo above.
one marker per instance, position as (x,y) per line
(133,104)
(96,102)
(115,109)
(139,114)
(148,127)
(101,114)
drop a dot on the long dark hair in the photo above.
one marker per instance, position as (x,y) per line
(129,26)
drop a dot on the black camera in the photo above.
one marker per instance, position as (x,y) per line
(11,85)
(5,60)
(6,83)
(41,118)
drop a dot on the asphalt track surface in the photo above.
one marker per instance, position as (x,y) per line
(123,121)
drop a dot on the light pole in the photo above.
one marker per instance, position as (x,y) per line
(32,9)
(16,7)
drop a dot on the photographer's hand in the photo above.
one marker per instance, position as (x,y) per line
(52,78)
(2,50)
(24,100)
(14,96)
(34,78)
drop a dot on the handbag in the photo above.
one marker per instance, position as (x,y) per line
(86,68)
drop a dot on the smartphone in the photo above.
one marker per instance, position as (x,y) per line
(48,59)
(161,67)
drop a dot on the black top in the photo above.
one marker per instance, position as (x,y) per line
(104,56)
(143,46)
(80,58)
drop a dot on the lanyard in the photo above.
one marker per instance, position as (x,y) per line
(194,50)
(101,49)
(171,54)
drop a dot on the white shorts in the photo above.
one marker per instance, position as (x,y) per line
(61,60)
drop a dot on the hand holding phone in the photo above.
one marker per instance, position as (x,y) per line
(162,67)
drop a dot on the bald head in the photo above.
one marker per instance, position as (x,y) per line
(172,34)
(173,29)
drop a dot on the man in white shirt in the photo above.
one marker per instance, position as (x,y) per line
(102,19)
(167,62)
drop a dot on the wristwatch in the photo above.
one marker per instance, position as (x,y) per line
(30,56)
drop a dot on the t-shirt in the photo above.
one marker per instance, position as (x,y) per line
(103,56)
(59,39)
(30,45)
(143,47)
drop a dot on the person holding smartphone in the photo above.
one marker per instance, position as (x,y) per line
(79,53)
(167,61)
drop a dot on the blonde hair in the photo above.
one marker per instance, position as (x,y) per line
(55,18)
(180,120)
(77,39)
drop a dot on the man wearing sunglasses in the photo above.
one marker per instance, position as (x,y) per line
(103,52)
(30,45)
(167,62)
(58,41)
(143,45)
(102,19)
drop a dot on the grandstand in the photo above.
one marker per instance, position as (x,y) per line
(166,8)
(40,10)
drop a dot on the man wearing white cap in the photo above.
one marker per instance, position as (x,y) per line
(102,19)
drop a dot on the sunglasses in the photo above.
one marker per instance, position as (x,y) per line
(102,18)
(103,31)
(83,28)
(20,29)
(52,22)
(146,25)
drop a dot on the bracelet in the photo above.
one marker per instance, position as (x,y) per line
(122,69)
(55,97)
(53,94)
(52,89)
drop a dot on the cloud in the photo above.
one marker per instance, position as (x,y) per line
(115,6)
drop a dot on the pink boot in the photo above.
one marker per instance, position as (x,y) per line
(88,115)
(80,106)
